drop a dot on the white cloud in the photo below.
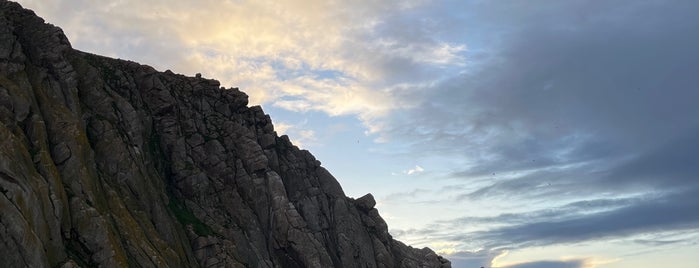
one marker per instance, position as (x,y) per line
(298,134)
(414,171)
(282,128)
(305,137)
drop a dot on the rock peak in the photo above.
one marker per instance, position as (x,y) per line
(111,163)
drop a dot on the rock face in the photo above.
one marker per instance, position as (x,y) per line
(106,162)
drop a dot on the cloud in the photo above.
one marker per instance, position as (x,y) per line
(298,134)
(413,194)
(657,219)
(282,128)
(648,216)
(340,58)
(576,120)
(565,83)
(667,167)
(479,258)
(549,264)
(414,171)
(564,103)
(670,165)
(558,83)
(575,222)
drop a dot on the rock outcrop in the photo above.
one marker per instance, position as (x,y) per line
(106,162)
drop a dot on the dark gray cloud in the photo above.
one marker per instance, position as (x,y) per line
(567,100)
(566,82)
(647,215)
(617,224)
(671,165)
(561,213)
(648,218)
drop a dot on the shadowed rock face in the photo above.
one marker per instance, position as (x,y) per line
(106,162)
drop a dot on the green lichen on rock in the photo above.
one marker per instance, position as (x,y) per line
(185,217)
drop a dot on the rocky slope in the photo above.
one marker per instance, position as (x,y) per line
(106,162)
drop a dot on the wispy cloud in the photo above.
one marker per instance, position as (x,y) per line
(660,219)
(638,218)
(407,196)
(299,134)
(414,171)
(549,264)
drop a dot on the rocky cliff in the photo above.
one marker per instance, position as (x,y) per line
(105,162)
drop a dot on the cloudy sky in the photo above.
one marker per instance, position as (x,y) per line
(500,133)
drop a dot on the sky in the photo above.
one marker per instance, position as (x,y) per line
(503,133)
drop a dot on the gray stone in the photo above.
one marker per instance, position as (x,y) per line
(366,202)
(110,163)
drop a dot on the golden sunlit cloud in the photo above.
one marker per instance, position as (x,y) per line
(302,55)
(496,261)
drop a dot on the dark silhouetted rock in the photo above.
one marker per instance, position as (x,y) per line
(366,202)
(110,163)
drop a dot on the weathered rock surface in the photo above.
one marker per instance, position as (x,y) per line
(106,162)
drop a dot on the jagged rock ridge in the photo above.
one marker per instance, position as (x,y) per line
(106,162)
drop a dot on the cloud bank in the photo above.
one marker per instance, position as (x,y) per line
(546,122)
